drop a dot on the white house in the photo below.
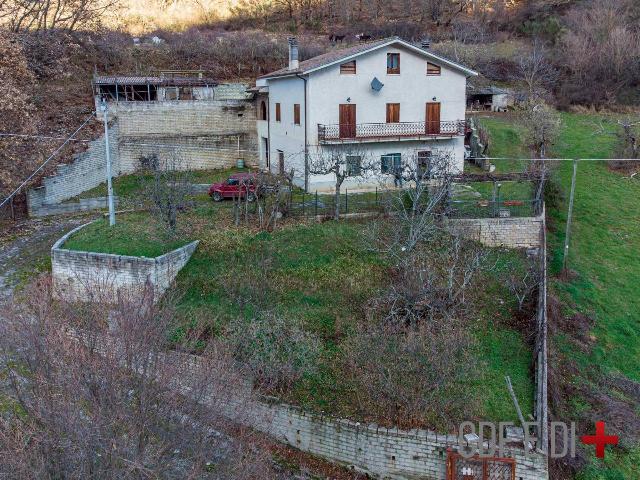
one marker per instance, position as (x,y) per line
(388,98)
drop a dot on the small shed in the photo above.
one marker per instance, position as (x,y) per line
(488,98)
(167,86)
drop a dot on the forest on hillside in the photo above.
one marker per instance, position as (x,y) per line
(568,52)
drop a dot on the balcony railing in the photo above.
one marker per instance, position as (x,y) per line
(399,130)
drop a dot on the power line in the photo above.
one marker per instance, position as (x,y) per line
(47,160)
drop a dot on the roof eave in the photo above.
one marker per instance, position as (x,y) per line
(421,51)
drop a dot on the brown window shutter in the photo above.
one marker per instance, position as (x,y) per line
(393,112)
(296,113)
(348,68)
(433,69)
(277,112)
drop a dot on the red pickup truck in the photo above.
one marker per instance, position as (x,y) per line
(237,185)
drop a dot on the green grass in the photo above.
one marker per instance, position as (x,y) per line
(605,240)
(133,185)
(319,274)
(133,234)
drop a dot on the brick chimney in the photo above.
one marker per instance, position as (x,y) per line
(293,54)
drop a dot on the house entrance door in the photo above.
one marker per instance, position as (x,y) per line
(347,120)
(432,123)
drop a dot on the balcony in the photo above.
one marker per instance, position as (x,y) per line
(388,132)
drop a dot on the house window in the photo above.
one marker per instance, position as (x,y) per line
(277,112)
(393,63)
(296,114)
(348,68)
(393,112)
(280,162)
(390,163)
(354,165)
(263,110)
(424,164)
(433,69)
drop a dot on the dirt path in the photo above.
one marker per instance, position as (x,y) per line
(25,248)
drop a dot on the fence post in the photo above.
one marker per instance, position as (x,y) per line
(303,203)
(376,197)
(316,210)
(346,200)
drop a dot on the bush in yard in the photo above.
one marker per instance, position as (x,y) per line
(410,375)
(110,402)
(276,349)
(170,190)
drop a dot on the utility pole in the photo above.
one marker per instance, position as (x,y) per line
(112,213)
(569,215)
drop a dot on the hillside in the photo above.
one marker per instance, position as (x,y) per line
(595,340)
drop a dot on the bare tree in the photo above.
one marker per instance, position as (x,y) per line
(601,52)
(542,125)
(70,15)
(170,189)
(416,208)
(536,71)
(98,395)
(627,133)
(342,162)
(523,283)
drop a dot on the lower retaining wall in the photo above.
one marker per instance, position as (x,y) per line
(85,275)
(511,232)
(82,205)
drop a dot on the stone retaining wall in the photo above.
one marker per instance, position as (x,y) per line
(378,451)
(511,232)
(205,135)
(81,205)
(83,275)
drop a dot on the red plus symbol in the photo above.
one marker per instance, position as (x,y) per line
(599,439)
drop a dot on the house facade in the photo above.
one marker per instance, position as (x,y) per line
(387,100)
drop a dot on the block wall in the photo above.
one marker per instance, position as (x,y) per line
(511,232)
(83,275)
(205,135)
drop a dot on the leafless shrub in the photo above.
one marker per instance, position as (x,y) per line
(522,284)
(412,375)
(170,190)
(536,71)
(431,282)
(66,15)
(342,162)
(600,52)
(414,210)
(277,350)
(542,126)
(99,396)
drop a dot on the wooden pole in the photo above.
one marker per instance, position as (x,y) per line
(569,216)
(515,401)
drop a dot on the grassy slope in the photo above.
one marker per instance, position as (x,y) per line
(320,274)
(604,244)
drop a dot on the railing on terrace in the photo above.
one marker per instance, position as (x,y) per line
(369,131)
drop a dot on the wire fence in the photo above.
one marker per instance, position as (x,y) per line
(493,209)
(316,204)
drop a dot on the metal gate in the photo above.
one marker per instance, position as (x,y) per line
(476,468)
